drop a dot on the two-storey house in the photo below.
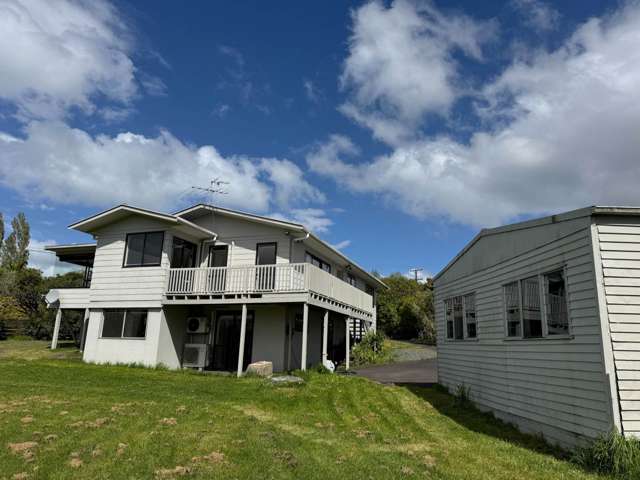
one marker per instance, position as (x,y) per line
(213,289)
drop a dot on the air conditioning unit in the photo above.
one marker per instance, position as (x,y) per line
(197,325)
(194,355)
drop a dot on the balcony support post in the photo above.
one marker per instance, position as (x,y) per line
(83,332)
(305,330)
(56,329)
(243,334)
(347,342)
(325,336)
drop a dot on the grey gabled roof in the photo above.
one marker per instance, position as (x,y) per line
(94,222)
(561,217)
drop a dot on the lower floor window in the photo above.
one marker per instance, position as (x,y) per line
(124,323)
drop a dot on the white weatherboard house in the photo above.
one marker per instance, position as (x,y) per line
(540,320)
(214,289)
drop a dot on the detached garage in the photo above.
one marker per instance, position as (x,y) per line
(540,321)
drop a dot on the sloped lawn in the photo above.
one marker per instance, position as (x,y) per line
(63,419)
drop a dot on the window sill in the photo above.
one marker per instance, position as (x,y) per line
(122,338)
(539,339)
(452,340)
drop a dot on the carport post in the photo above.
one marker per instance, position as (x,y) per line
(56,329)
(325,336)
(243,334)
(347,342)
(305,329)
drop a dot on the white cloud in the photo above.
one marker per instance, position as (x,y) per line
(401,67)
(315,219)
(153,85)
(312,92)
(47,261)
(61,164)
(537,14)
(63,54)
(342,245)
(561,132)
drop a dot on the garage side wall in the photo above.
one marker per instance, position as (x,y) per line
(556,387)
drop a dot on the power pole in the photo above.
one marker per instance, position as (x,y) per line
(215,188)
(416,271)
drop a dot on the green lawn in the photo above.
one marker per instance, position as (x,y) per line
(87,421)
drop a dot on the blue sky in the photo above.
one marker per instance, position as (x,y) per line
(396,130)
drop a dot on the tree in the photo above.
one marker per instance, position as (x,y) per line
(405,310)
(15,251)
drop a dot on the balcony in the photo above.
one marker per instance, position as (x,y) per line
(281,282)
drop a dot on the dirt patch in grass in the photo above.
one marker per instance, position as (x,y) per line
(178,471)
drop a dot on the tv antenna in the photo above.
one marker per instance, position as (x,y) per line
(216,187)
(415,272)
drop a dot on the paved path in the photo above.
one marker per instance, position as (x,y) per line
(421,372)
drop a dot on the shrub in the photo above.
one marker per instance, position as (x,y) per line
(611,454)
(373,348)
(461,395)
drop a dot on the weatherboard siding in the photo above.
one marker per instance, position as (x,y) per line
(115,286)
(551,386)
(619,240)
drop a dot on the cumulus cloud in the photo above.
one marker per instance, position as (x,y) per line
(401,67)
(560,131)
(63,54)
(61,164)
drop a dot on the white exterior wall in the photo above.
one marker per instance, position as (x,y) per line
(619,247)
(117,350)
(269,335)
(114,286)
(556,387)
(242,236)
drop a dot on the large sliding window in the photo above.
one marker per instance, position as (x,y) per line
(536,307)
(121,323)
(143,249)
(460,317)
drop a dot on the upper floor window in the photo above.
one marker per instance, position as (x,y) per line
(536,306)
(143,249)
(318,262)
(460,317)
(351,280)
(124,323)
(183,254)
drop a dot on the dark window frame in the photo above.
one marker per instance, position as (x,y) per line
(184,241)
(263,244)
(125,311)
(144,243)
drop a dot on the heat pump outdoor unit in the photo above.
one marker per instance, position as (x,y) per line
(194,355)
(197,325)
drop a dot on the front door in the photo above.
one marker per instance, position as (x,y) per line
(226,341)
(266,275)
(218,257)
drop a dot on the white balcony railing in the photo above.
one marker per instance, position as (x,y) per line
(280,278)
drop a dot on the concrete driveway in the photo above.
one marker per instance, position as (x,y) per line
(420,372)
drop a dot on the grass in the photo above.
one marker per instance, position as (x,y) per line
(89,421)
